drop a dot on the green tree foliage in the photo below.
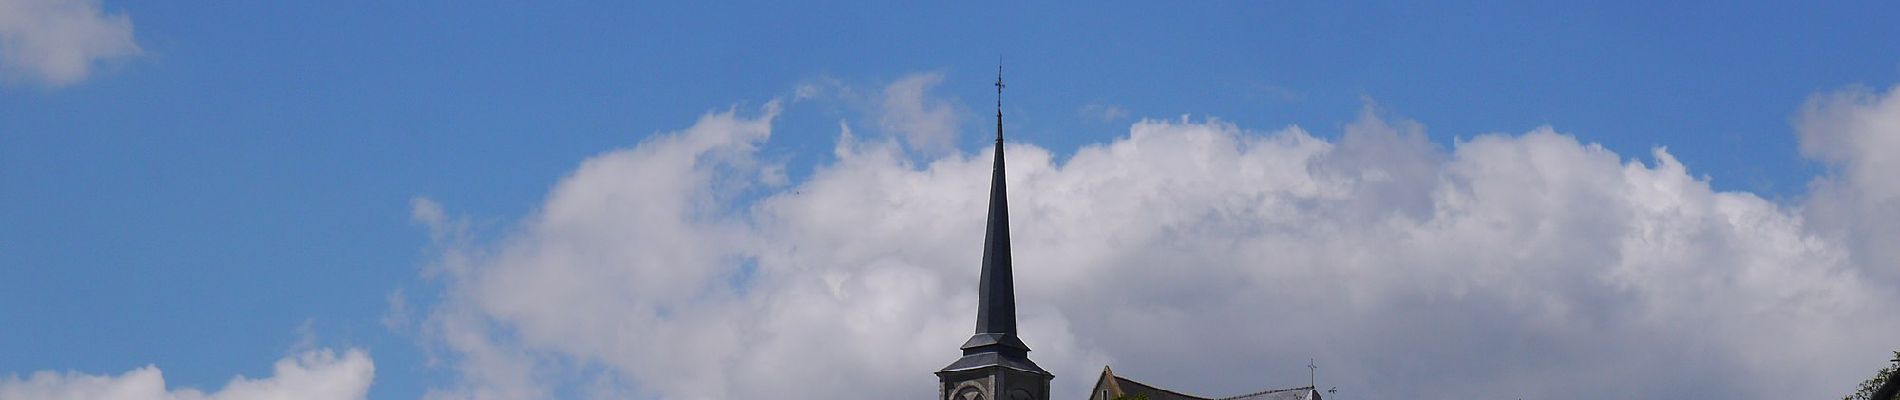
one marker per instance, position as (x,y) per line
(1143,396)
(1867,388)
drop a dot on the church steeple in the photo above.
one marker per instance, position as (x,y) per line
(996,294)
(994,360)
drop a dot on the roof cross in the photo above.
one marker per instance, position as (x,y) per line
(1312,373)
(999,86)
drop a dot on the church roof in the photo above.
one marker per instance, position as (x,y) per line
(1119,386)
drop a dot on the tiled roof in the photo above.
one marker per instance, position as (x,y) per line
(1131,387)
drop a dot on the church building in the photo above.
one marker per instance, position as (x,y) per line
(995,363)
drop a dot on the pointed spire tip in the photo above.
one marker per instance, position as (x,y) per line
(999,102)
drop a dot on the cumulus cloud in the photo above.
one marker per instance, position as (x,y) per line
(1857,133)
(315,375)
(59,42)
(926,123)
(1190,254)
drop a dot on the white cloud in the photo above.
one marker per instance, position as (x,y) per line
(59,42)
(1195,255)
(927,124)
(1857,133)
(314,375)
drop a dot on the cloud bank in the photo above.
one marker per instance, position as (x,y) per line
(59,42)
(1191,254)
(312,375)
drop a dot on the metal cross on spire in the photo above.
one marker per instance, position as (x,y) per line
(999,105)
(999,86)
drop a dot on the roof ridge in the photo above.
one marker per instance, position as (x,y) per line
(1239,397)
(1266,392)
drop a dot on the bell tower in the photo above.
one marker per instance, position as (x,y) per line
(995,363)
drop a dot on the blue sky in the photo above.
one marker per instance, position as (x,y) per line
(242,188)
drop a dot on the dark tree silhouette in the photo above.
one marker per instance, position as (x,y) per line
(1883,386)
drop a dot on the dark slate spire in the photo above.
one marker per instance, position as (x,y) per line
(995,341)
(996,301)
